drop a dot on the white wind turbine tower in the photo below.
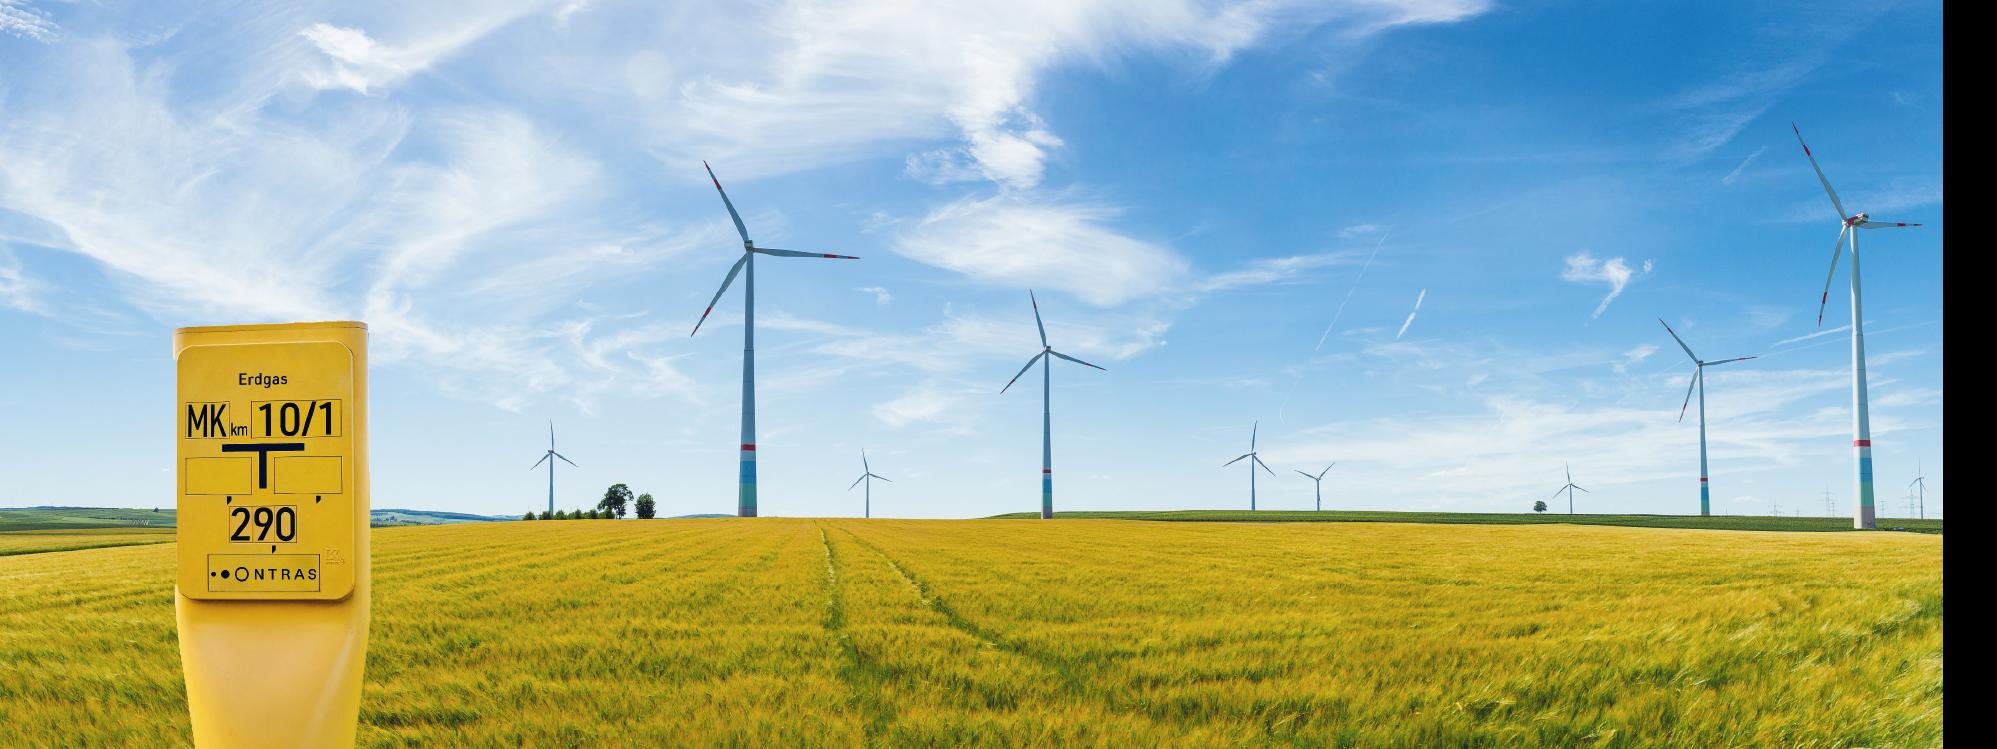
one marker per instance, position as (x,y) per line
(1319,480)
(1254,460)
(1046,407)
(1920,480)
(1569,487)
(549,458)
(867,475)
(745,501)
(1861,424)
(1699,383)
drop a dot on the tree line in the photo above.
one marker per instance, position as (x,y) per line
(617,501)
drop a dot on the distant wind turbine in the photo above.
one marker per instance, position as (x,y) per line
(1861,422)
(867,475)
(745,498)
(1319,480)
(1699,383)
(1046,407)
(1254,460)
(548,458)
(1569,488)
(1920,480)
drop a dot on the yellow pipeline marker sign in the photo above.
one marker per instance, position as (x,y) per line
(271,436)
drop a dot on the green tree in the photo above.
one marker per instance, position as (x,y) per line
(561,514)
(528,516)
(647,507)
(615,500)
(1539,506)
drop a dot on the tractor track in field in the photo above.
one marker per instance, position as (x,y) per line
(863,677)
(1069,673)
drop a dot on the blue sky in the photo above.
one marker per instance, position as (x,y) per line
(1428,239)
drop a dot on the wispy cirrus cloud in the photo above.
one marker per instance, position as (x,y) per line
(17,290)
(1275,270)
(1024,243)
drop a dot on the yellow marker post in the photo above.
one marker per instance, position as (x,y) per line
(272,590)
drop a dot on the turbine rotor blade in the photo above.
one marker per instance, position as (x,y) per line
(795,253)
(863,461)
(1681,341)
(883,478)
(723,290)
(1306,475)
(1556,492)
(1327,469)
(1252,432)
(1236,460)
(1022,371)
(1696,371)
(1835,203)
(856,482)
(1872,224)
(1583,491)
(1036,317)
(739,228)
(537,464)
(565,458)
(1265,466)
(1837,251)
(1735,359)
(1073,359)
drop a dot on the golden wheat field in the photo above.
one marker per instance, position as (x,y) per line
(38,541)
(1065,633)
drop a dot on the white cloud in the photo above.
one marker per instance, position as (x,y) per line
(829,82)
(881,295)
(1634,357)
(1584,267)
(1018,242)
(927,403)
(462,230)
(1510,449)
(1357,230)
(1274,270)
(22,20)
(356,60)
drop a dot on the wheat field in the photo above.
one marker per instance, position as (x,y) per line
(1065,633)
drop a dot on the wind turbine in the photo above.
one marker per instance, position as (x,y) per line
(867,475)
(745,501)
(1046,410)
(1699,383)
(548,458)
(1921,481)
(1569,488)
(1861,423)
(1319,480)
(1254,460)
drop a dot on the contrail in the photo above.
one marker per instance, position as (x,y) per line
(1411,314)
(1284,408)
(1348,292)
